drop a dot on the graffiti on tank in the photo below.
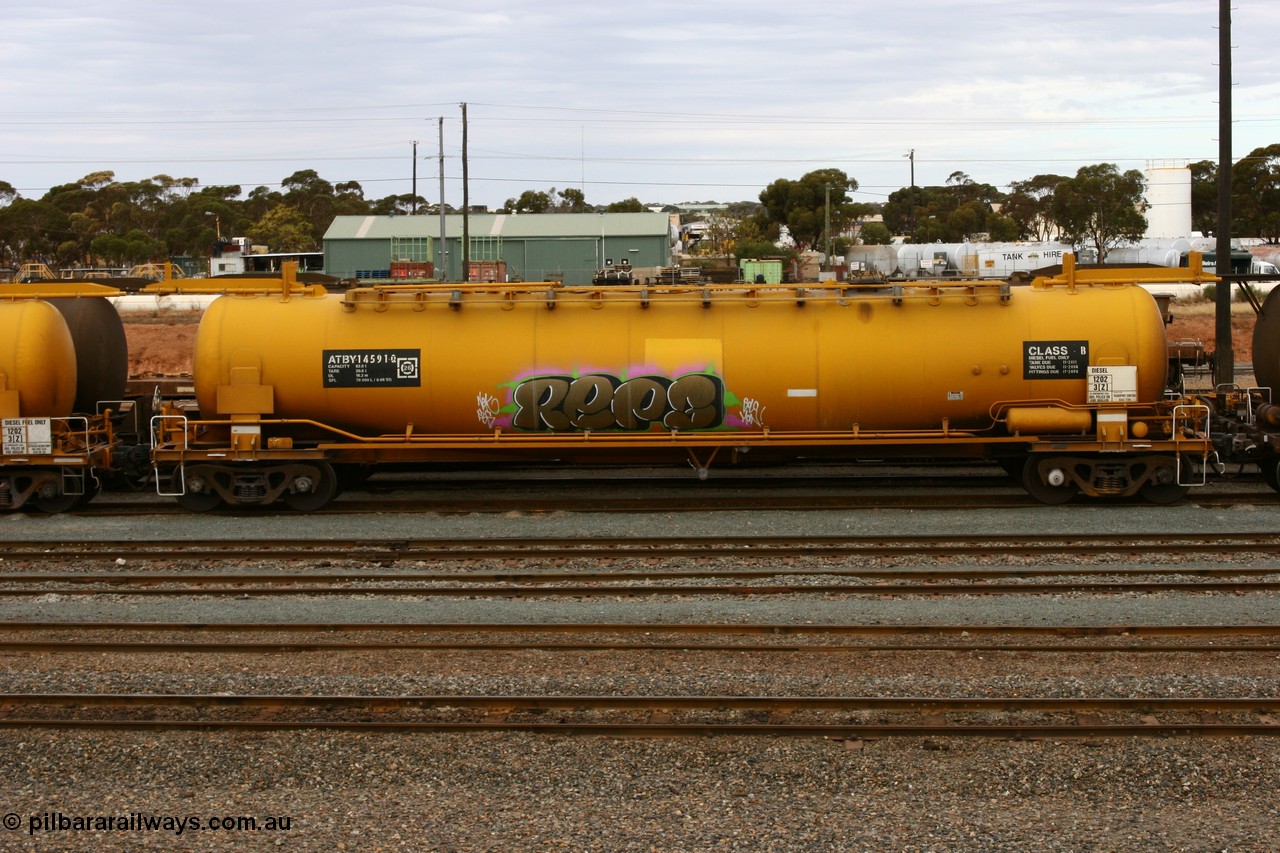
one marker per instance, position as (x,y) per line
(602,401)
(752,412)
(486,408)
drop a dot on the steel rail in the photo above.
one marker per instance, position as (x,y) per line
(304,647)
(535,505)
(725,542)
(837,731)
(663,703)
(686,547)
(636,591)
(653,628)
(545,576)
(931,707)
(663,505)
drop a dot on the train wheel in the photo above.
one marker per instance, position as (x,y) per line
(1043,489)
(54,503)
(1163,487)
(321,487)
(199,501)
(47,494)
(199,494)
(1270,469)
(352,475)
(1163,493)
(1012,465)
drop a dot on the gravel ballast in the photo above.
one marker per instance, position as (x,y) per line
(515,792)
(521,792)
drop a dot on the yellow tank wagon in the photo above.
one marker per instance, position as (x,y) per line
(63,369)
(1061,380)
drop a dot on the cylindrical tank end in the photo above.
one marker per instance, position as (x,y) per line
(102,352)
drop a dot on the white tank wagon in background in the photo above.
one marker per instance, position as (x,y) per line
(957,260)
(1176,252)
(137,303)
(1022,260)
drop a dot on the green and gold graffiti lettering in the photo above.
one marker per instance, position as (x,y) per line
(601,401)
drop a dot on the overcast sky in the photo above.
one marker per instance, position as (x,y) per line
(664,101)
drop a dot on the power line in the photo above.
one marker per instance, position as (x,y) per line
(361,115)
(656,161)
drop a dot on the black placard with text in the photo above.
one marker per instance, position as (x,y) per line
(1055,359)
(372,368)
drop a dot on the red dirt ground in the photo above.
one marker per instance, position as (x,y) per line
(161,345)
(1196,322)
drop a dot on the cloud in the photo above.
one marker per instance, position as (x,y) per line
(659,100)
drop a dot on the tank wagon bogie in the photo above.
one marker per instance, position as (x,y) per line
(56,464)
(1061,381)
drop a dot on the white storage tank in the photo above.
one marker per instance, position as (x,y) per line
(1168,198)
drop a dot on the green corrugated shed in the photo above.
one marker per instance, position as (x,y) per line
(762,272)
(568,247)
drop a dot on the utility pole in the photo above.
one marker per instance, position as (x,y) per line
(466,204)
(1224,354)
(443,272)
(415,176)
(826,227)
(911,219)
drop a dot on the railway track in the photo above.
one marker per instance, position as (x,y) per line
(382,551)
(790,576)
(277,637)
(952,498)
(187,640)
(640,715)
(618,567)
(828,716)
(932,574)
(553,575)
(924,587)
(691,630)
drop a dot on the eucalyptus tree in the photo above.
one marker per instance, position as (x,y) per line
(1255,194)
(802,206)
(1101,206)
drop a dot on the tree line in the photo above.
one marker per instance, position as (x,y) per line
(1100,206)
(98,220)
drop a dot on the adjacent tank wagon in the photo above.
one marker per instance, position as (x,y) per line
(1246,421)
(63,370)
